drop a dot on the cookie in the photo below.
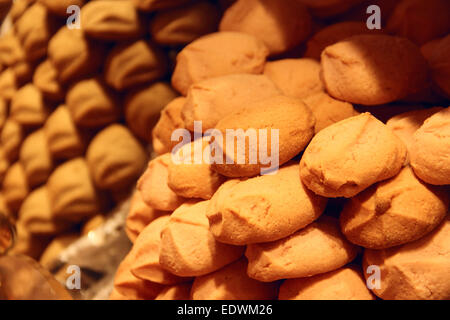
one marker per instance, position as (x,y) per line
(153,5)
(248,211)
(28,107)
(350,155)
(8,84)
(15,186)
(393,212)
(45,78)
(316,249)
(11,137)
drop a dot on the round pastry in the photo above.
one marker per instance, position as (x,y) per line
(415,271)
(387,68)
(117,166)
(342,284)
(318,248)
(287,121)
(393,212)
(188,248)
(211,100)
(349,156)
(218,54)
(143,107)
(249,211)
(281,25)
(232,283)
(429,149)
(153,185)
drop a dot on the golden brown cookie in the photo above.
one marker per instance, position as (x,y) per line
(143,107)
(316,249)
(188,248)
(297,78)
(11,138)
(8,84)
(343,284)
(437,53)
(281,25)
(45,78)
(146,250)
(35,158)
(190,177)
(4,165)
(218,54)
(139,216)
(15,186)
(115,157)
(169,121)
(420,20)
(73,55)
(334,33)
(249,211)
(63,138)
(92,104)
(327,110)
(349,156)
(134,63)
(182,25)
(211,100)
(288,118)
(110,20)
(23,72)
(71,191)
(232,283)
(176,292)
(415,271)
(36,215)
(387,68)
(28,106)
(393,212)
(4,110)
(11,51)
(429,149)
(18,8)
(153,185)
(404,125)
(59,7)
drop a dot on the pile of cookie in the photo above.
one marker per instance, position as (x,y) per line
(77,106)
(358,208)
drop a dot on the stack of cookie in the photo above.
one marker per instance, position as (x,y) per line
(79,96)
(343,191)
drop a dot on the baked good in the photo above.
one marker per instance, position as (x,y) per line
(4,165)
(8,84)
(190,178)
(134,63)
(64,139)
(45,78)
(15,186)
(428,153)
(327,110)
(297,78)
(387,68)
(350,155)
(420,20)
(232,283)
(153,5)
(316,249)
(249,211)
(169,120)
(153,185)
(112,168)
(35,158)
(92,104)
(211,100)
(71,191)
(28,106)
(346,283)
(281,25)
(393,212)
(11,138)
(143,107)
(414,271)
(28,244)
(188,248)
(73,55)
(288,118)
(437,53)
(59,7)
(11,51)
(139,216)
(182,25)
(3,112)
(110,20)
(18,8)
(329,8)
(218,54)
